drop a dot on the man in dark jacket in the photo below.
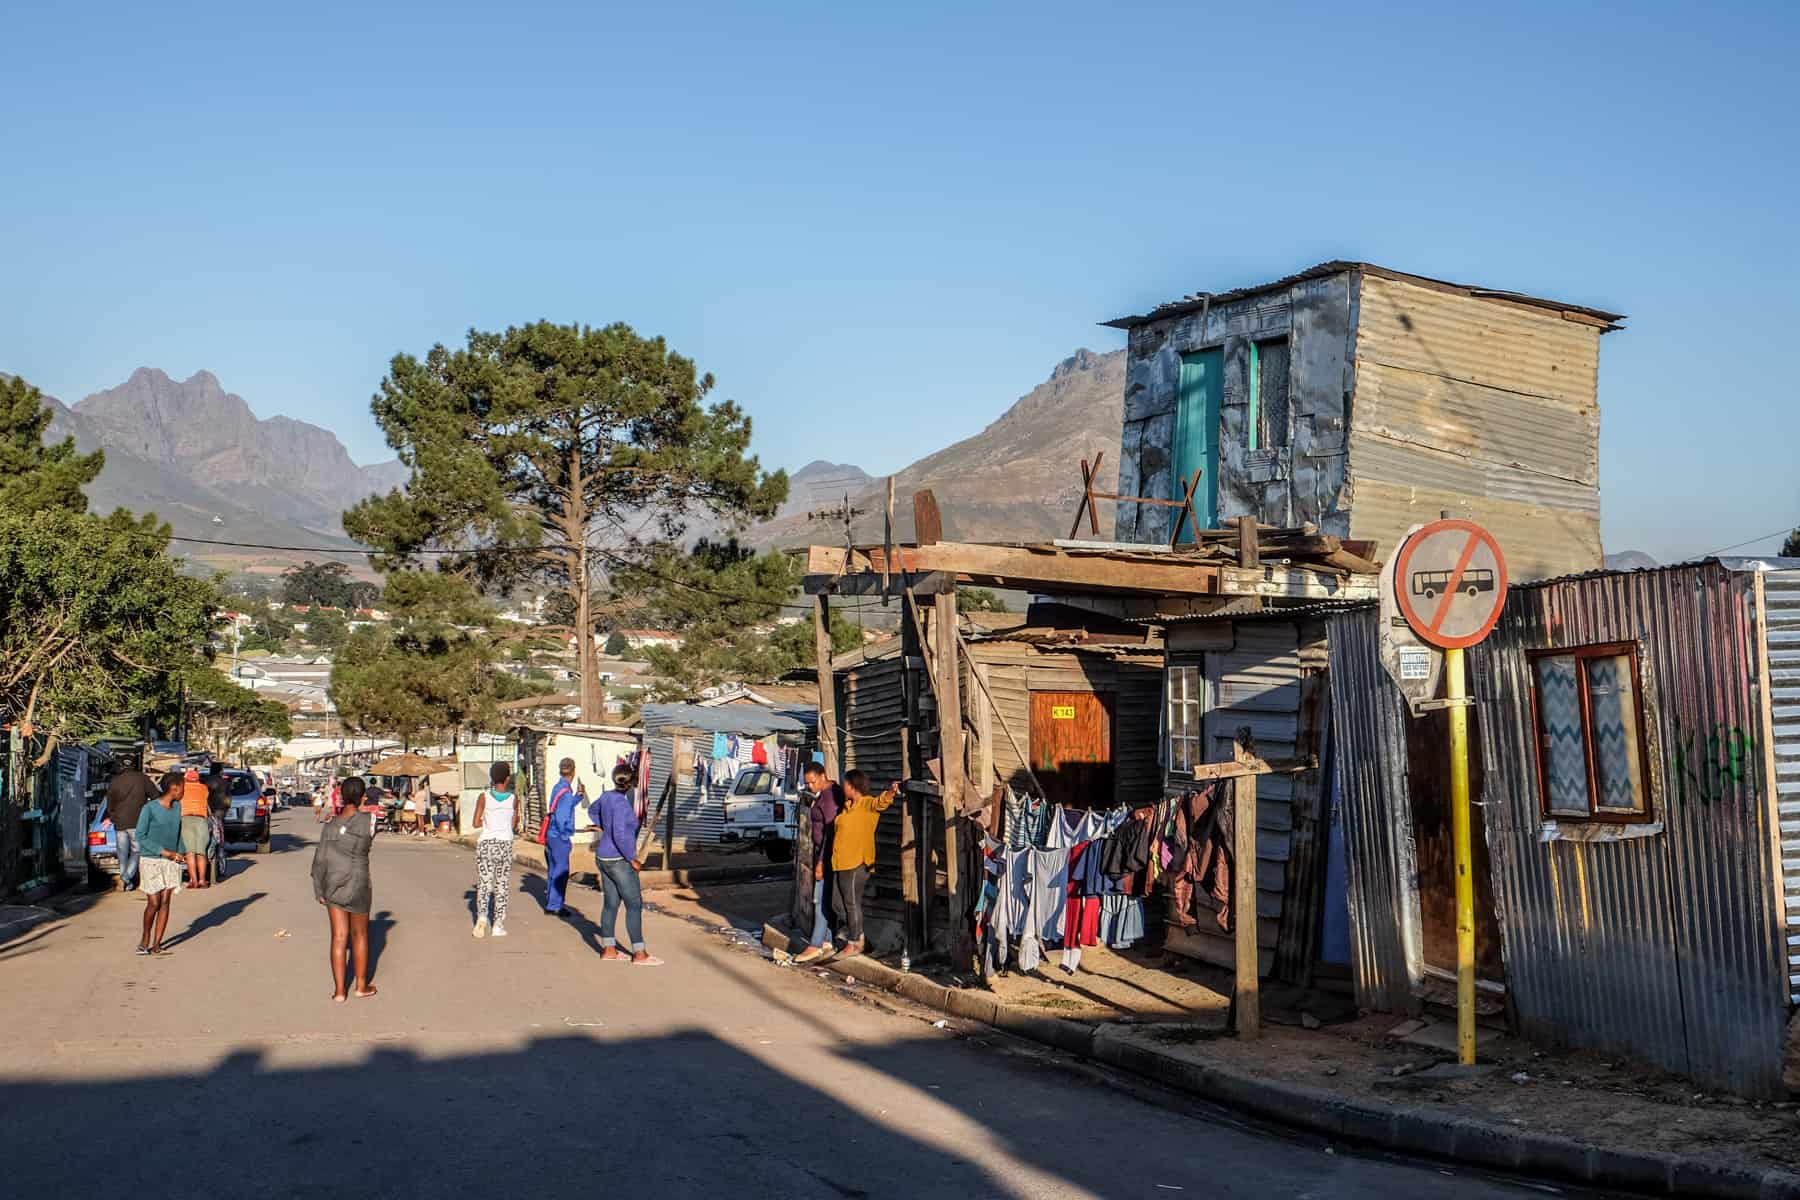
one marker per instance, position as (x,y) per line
(822,816)
(126,796)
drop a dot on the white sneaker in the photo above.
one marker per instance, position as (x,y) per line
(481,928)
(499,931)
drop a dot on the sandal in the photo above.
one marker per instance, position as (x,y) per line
(648,960)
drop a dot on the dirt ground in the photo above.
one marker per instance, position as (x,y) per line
(1181,1007)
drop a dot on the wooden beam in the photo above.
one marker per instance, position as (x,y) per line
(827,687)
(928,522)
(1052,569)
(948,688)
(1207,772)
(1246,999)
(868,583)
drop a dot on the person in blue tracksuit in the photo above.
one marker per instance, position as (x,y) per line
(564,796)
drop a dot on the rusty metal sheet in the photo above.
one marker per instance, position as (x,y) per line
(1515,349)
(1671,947)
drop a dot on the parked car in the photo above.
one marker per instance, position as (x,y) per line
(248,818)
(760,810)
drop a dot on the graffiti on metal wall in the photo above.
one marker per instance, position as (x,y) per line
(1712,766)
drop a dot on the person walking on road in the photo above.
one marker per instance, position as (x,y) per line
(853,851)
(158,834)
(126,796)
(821,815)
(615,853)
(196,831)
(340,878)
(218,807)
(497,816)
(559,836)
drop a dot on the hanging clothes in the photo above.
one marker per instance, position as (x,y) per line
(1010,909)
(1121,921)
(1027,820)
(1081,924)
(1208,861)
(1128,852)
(1047,892)
(721,746)
(759,754)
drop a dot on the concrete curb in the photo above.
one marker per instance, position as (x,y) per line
(528,853)
(1422,1130)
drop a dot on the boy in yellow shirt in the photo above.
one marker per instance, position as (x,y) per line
(853,850)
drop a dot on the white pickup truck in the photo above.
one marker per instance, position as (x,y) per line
(762,812)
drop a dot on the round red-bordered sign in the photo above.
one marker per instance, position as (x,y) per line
(1450,583)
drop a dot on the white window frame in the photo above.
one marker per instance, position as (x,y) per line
(1184,685)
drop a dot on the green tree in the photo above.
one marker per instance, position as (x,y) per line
(222,716)
(563,451)
(97,628)
(430,672)
(724,599)
(974,599)
(326,583)
(35,477)
(1791,547)
(326,630)
(616,645)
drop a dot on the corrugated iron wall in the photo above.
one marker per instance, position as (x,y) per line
(1667,947)
(699,809)
(1368,732)
(1781,599)
(1478,407)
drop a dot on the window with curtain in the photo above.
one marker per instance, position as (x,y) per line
(1590,733)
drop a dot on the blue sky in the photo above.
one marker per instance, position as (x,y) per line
(877,226)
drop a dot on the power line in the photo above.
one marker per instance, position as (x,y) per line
(611,556)
(1752,541)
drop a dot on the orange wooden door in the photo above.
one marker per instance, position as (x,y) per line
(1072,747)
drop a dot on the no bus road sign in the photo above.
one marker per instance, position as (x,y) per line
(1450,582)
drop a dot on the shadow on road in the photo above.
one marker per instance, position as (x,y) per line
(218,915)
(380,924)
(643,1085)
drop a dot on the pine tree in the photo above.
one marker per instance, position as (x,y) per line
(35,477)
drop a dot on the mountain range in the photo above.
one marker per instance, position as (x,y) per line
(200,458)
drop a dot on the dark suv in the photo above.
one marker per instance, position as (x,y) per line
(248,818)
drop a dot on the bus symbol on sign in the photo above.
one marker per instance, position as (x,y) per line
(1449,583)
(1432,584)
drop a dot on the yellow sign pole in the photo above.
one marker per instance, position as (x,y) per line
(1456,690)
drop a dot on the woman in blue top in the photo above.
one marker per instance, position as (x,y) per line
(615,821)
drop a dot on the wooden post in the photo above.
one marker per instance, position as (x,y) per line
(1249,553)
(1246,1000)
(827,687)
(911,647)
(950,745)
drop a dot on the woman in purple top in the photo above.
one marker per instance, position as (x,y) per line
(615,852)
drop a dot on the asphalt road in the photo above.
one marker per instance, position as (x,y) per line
(527,1067)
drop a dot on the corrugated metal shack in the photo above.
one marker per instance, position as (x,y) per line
(1103,683)
(1653,924)
(1069,704)
(1265,674)
(685,813)
(1363,400)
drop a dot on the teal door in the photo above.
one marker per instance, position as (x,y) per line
(1197,435)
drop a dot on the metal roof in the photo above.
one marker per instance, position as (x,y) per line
(752,719)
(1200,300)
